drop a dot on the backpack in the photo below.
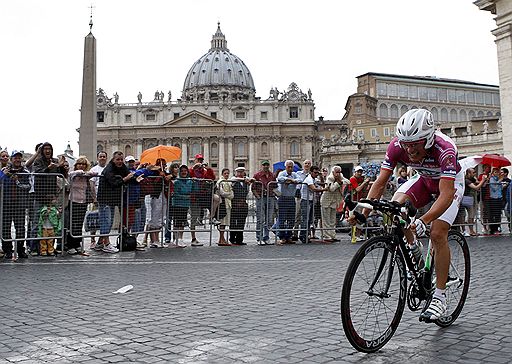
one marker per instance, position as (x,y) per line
(128,241)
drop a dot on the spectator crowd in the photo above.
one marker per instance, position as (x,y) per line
(48,207)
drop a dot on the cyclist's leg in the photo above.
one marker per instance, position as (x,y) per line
(416,191)
(439,238)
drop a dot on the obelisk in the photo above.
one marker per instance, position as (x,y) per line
(87,139)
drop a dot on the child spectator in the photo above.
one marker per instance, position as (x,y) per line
(49,227)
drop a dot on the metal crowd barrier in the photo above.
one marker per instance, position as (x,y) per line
(31,209)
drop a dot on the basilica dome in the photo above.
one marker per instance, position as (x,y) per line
(218,75)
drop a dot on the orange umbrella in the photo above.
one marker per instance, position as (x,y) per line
(160,151)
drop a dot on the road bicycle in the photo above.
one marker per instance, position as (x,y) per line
(375,289)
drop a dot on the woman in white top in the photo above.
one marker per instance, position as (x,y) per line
(225,191)
(329,202)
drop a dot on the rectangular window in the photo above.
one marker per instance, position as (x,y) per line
(358,109)
(479,98)
(470,97)
(496,99)
(432,94)
(240,115)
(213,114)
(488,98)
(392,89)
(443,94)
(403,91)
(176,115)
(381,89)
(128,118)
(423,93)
(264,115)
(150,117)
(100,116)
(360,133)
(386,131)
(373,132)
(461,96)
(294,112)
(413,92)
(452,96)
(214,165)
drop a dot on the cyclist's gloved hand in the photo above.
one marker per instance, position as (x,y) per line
(421,228)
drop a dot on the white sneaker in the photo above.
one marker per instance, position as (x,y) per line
(110,249)
(180,244)
(154,245)
(435,310)
(72,251)
(195,243)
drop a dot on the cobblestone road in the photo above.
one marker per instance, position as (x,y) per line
(273,304)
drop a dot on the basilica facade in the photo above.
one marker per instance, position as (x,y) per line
(218,115)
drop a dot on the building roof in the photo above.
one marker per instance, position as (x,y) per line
(426,78)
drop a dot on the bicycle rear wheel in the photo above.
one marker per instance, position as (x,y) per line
(371,313)
(458,278)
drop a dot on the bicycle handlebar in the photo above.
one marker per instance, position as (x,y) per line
(392,207)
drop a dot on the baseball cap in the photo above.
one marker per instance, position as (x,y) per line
(129,158)
(358,168)
(265,161)
(15,152)
(199,156)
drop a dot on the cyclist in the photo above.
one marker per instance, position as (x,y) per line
(434,156)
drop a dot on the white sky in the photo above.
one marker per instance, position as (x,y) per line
(149,45)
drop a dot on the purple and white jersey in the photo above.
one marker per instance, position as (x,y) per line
(441,161)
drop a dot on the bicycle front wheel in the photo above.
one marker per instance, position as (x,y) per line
(458,278)
(373,294)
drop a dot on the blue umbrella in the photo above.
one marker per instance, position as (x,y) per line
(280,165)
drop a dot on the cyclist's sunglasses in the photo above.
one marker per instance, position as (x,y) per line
(413,145)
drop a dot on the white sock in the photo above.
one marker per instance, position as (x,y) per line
(440,294)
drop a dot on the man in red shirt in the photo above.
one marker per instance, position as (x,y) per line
(265,200)
(358,190)
(358,184)
(201,197)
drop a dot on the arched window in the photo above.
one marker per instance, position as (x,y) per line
(240,149)
(383,111)
(294,148)
(403,109)
(195,149)
(264,149)
(435,114)
(489,113)
(214,150)
(99,148)
(453,115)
(177,145)
(463,115)
(498,114)
(414,107)
(480,114)
(127,150)
(471,114)
(444,115)
(394,111)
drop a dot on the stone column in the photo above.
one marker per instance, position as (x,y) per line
(308,149)
(504,46)
(206,149)
(184,152)
(252,157)
(503,33)
(114,146)
(230,154)
(138,148)
(277,149)
(222,157)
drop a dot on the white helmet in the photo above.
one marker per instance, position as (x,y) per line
(414,125)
